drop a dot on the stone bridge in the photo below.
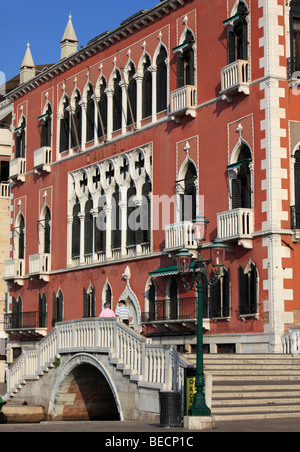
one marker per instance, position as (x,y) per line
(96,369)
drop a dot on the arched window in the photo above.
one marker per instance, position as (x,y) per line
(58,308)
(238,36)
(42,311)
(117,102)
(108,295)
(115,215)
(17,312)
(90,114)
(21,140)
(220,296)
(241,185)
(21,247)
(186,62)
(47,231)
(161,80)
(88,227)
(64,139)
(76,231)
(131,104)
(248,285)
(188,204)
(146,212)
(89,308)
(102,109)
(147,89)
(76,121)
(131,232)
(46,128)
(100,228)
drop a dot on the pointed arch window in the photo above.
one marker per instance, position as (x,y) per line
(131,232)
(47,231)
(161,80)
(76,230)
(116,226)
(186,62)
(90,114)
(248,290)
(42,311)
(146,212)
(58,308)
(241,184)
(88,227)
(46,128)
(147,89)
(108,294)
(100,227)
(238,36)
(76,121)
(21,140)
(17,312)
(188,198)
(102,109)
(89,302)
(131,104)
(117,102)
(220,296)
(64,138)
(21,244)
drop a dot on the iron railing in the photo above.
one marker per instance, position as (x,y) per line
(24,320)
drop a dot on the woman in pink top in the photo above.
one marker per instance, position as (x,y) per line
(107,312)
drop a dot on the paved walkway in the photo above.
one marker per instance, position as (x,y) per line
(134,428)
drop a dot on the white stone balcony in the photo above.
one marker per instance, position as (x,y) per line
(14,270)
(236,225)
(17,170)
(235,79)
(43,159)
(40,266)
(183,102)
(180,235)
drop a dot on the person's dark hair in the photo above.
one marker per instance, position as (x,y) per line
(107,304)
(122,301)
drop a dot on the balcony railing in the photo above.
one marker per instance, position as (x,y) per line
(236,224)
(235,79)
(184,101)
(40,265)
(165,310)
(293,65)
(14,270)
(17,169)
(180,235)
(24,320)
(43,159)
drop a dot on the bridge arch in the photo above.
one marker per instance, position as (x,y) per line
(84,390)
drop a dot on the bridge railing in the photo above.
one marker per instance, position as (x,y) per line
(291,341)
(148,364)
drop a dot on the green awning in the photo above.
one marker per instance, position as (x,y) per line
(182,46)
(238,164)
(168,271)
(46,115)
(236,16)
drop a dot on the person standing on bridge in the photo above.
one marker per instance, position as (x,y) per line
(123,312)
(107,312)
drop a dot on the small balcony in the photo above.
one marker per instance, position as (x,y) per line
(235,79)
(14,271)
(40,266)
(17,170)
(180,235)
(42,160)
(237,225)
(26,325)
(183,102)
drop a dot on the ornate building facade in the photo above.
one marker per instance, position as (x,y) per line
(147,125)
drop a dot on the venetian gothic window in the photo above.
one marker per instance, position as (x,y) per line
(64,137)
(90,114)
(220,296)
(147,89)
(58,308)
(188,193)
(132,93)
(76,124)
(186,62)
(42,311)
(46,128)
(241,183)
(117,102)
(89,302)
(238,35)
(161,80)
(21,237)
(102,105)
(76,230)
(21,140)
(248,290)
(17,312)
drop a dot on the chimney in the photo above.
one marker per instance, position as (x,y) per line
(69,42)
(27,70)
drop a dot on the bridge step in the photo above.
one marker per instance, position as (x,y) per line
(253,386)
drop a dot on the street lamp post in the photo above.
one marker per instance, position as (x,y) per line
(199,275)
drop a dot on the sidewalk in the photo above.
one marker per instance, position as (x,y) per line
(134,428)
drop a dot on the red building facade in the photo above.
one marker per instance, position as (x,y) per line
(194,98)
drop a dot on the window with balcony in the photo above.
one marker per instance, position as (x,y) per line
(21,140)
(186,62)
(188,197)
(64,136)
(238,35)
(241,184)
(21,238)
(46,128)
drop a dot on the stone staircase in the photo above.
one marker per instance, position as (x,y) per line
(253,386)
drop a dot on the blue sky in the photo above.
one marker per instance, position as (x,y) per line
(43,25)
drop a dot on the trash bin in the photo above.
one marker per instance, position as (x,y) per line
(170,409)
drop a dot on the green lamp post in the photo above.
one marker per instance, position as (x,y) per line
(199,275)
